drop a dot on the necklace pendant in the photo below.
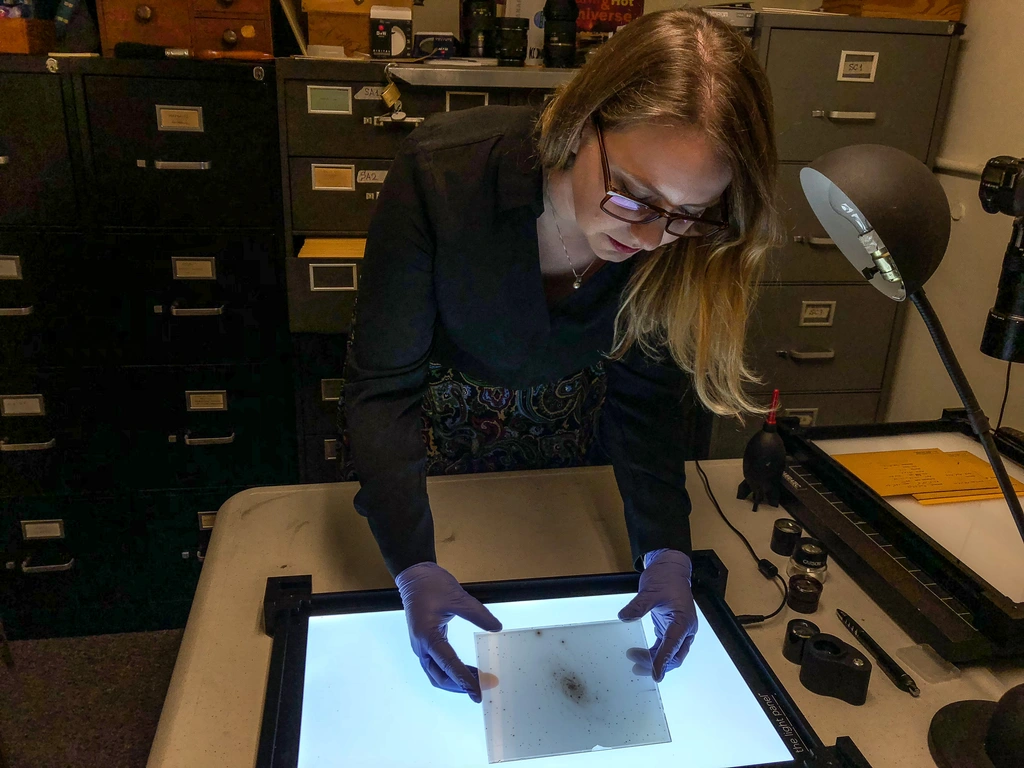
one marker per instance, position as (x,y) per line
(577,283)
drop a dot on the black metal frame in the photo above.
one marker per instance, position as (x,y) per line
(998,619)
(289,603)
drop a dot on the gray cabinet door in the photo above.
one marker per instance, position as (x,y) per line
(816,111)
(808,254)
(810,338)
(36,183)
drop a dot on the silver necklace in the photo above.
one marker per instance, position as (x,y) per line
(578,275)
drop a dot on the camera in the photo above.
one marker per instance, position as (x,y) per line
(1002,186)
(1002,191)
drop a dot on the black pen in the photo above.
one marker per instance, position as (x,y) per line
(892,670)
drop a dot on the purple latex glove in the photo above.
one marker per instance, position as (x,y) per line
(432,597)
(665,592)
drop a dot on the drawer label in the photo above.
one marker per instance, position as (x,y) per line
(331,449)
(329,100)
(42,529)
(22,405)
(333,277)
(176,118)
(371,177)
(193,268)
(213,400)
(807,416)
(10,267)
(370,92)
(817,313)
(333,178)
(206,520)
(858,66)
(330,390)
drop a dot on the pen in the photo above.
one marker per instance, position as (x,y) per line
(892,670)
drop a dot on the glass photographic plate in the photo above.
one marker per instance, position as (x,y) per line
(364,699)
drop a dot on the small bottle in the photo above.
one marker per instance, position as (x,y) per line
(809,559)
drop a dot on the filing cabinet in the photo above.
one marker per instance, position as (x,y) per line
(319,366)
(167,153)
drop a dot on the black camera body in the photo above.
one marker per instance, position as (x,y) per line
(1002,186)
(1002,191)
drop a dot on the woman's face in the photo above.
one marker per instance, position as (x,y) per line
(671,167)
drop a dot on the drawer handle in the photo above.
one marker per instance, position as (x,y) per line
(230,37)
(815,242)
(398,118)
(6,447)
(850,117)
(177,311)
(16,311)
(58,568)
(5,159)
(143,13)
(226,3)
(210,440)
(798,356)
(182,165)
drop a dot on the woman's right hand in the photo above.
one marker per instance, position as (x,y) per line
(432,597)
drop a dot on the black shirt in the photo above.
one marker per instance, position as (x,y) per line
(451,274)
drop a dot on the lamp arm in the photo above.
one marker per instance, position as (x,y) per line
(979,421)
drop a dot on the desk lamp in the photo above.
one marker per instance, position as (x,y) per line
(889,216)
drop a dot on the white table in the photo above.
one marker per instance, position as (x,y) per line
(505,526)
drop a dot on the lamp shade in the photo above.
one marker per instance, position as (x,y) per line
(885,211)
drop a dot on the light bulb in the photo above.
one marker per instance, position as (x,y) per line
(867,236)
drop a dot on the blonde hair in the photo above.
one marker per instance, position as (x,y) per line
(691,298)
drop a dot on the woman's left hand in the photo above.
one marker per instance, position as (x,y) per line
(665,593)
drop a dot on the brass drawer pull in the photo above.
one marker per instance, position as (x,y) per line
(177,311)
(5,159)
(841,116)
(815,242)
(58,568)
(6,447)
(182,165)
(210,440)
(798,356)
(16,311)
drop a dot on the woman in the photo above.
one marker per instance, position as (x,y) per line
(609,246)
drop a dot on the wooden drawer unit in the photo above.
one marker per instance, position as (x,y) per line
(211,426)
(203,299)
(157,22)
(321,294)
(172,153)
(835,88)
(229,7)
(69,566)
(232,34)
(812,338)
(61,431)
(808,253)
(335,194)
(37,185)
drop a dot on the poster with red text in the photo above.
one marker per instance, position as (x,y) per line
(607,15)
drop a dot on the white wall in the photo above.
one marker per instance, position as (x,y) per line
(986,119)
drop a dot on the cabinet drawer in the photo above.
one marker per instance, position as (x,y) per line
(158,22)
(815,111)
(69,566)
(335,195)
(212,299)
(233,34)
(231,7)
(821,337)
(321,294)
(172,152)
(211,426)
(341,119)
(729,439)
(319,362)
(61,302)
(61,431)
(35,168)
(808,253)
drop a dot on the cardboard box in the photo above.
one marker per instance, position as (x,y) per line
(932,10)
(36,36)
(343,22)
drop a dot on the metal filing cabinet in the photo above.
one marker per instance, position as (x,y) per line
(338,138)
(820,334)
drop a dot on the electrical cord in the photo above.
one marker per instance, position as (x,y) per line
(1006,392)
(765,567)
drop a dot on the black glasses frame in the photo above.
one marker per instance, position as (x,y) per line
(708,225)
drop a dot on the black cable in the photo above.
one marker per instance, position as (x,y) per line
(765,567)
(1006,392)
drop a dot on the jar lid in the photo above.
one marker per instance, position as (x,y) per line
(810,553)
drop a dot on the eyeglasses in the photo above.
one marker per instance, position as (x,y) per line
(623,207)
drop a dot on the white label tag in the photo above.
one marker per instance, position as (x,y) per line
(371,177)
(174,118)
(194,269)
(817,313)
(857,66)
(22,405)
(207,401)
(370,92)
(10,267)
(42,529)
